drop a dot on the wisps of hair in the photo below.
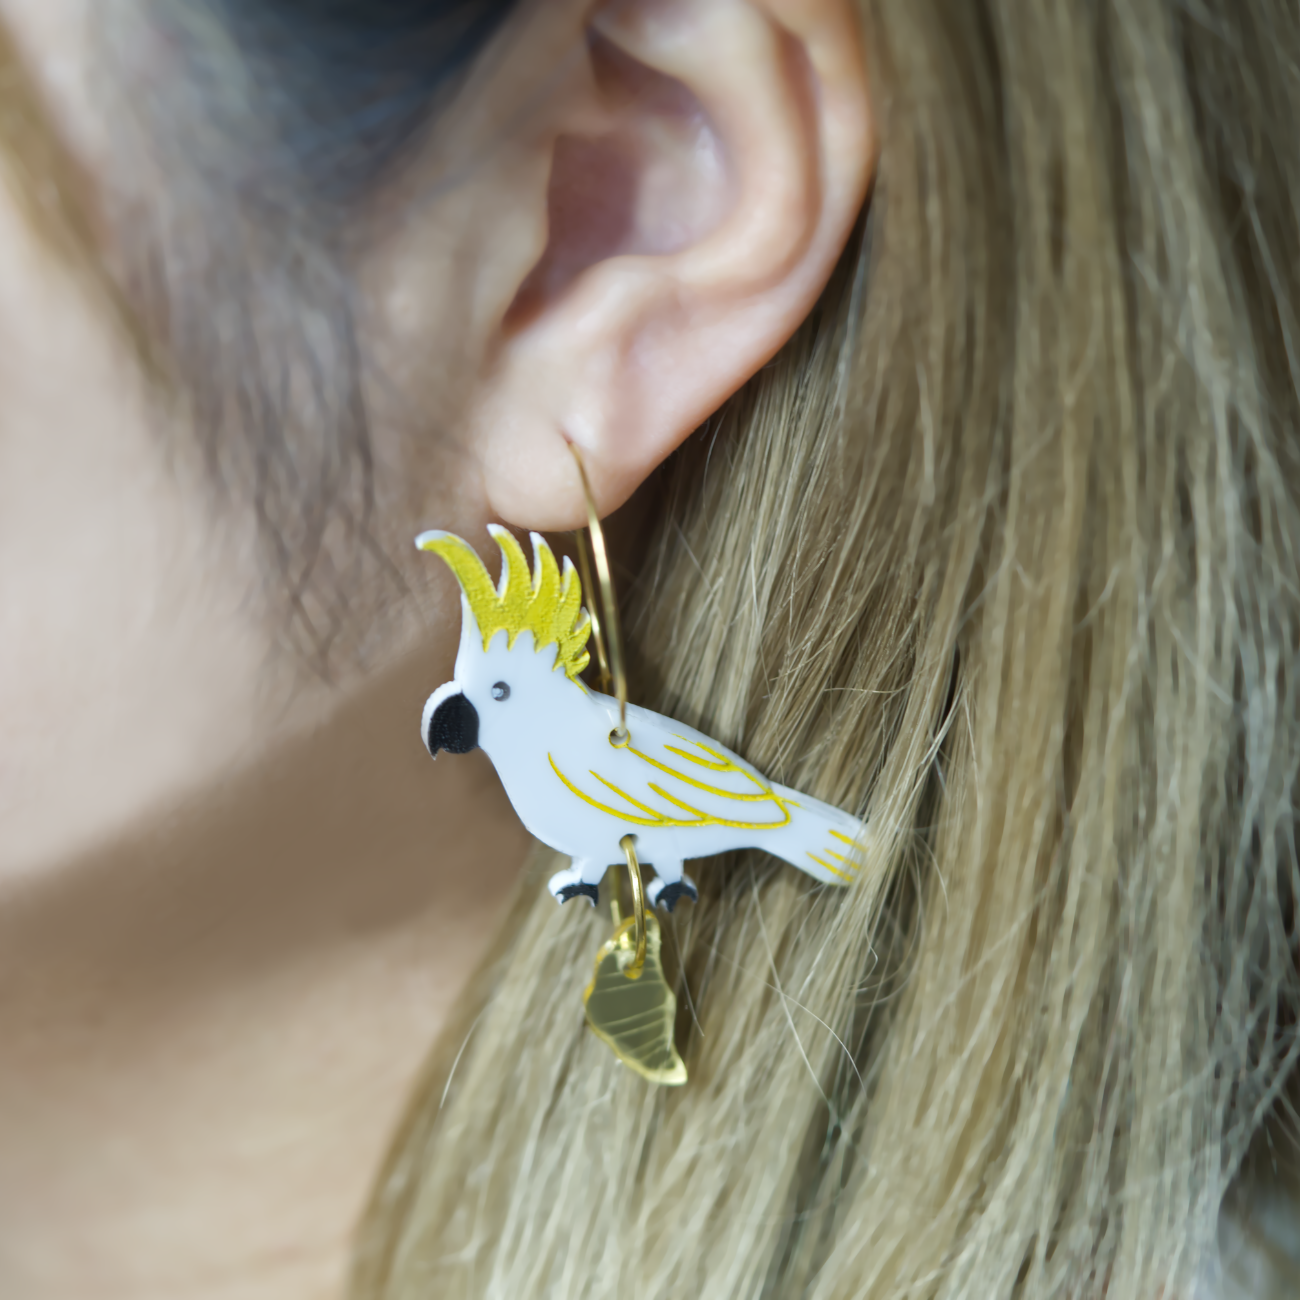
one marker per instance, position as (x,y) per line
(276,127)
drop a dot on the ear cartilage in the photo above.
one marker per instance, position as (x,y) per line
(608,783)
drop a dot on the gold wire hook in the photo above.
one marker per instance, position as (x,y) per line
(628,845)
(609,653)
(597,632)
(609,636)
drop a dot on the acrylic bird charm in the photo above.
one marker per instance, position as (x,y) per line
(577,782)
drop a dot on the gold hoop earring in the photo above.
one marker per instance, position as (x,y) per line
(628,1002)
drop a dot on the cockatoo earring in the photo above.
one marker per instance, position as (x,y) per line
(603,781)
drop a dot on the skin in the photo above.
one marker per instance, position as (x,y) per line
(236,903)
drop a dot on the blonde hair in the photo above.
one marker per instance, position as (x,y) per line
(1000,553)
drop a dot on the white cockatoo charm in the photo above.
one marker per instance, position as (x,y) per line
(577,782)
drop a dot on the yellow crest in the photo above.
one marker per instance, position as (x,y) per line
(545,603)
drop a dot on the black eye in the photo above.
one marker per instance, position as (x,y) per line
(500,691)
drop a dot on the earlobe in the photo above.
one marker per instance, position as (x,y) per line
(689,236)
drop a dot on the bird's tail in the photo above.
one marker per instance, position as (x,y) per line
(820,839)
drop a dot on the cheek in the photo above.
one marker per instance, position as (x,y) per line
(129,659)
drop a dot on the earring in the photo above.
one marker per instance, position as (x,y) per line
(602,780)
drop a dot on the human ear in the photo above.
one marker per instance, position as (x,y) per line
(691,224)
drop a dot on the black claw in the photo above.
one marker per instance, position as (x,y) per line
(581,890)
(671,895)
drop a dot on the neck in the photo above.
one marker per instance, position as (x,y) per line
(222,1012)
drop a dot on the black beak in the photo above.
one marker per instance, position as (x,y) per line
(453,726)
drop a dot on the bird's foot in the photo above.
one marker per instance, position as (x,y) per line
(581,890)
(668,895)
(569,884)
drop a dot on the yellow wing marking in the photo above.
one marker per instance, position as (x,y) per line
(697,816)
(721,762)
(763,794)
(851,873)
(826,866)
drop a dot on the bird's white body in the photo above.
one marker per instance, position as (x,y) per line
(554,745)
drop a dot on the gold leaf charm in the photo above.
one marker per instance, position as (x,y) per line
(636,1015)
